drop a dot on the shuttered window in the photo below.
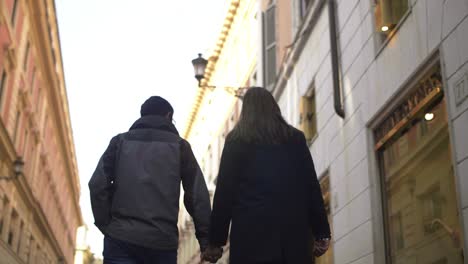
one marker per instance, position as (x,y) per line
(269,30)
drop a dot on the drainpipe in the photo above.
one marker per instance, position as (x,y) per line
(337,89)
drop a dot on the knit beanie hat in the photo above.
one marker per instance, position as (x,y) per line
(156,105)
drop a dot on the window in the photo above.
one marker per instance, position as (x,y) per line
(3,210)
(15,135)
(33,79)
(419,191)
(25,142)
(388,14)
(308,117)
(269,34)
(13,224)
(20,238)
(3,82)
(14,11)
(26,56)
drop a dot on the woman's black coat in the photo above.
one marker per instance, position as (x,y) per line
(273,198)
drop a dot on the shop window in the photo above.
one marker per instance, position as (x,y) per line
(33,79)
(419,191)
(308,117)
(269,42)
(431,204)
(388,13)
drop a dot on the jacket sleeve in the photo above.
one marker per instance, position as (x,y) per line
(319,219)
(196,196)
(224,196)
(100,186)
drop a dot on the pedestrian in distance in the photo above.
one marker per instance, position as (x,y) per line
(267,191)
(135,190)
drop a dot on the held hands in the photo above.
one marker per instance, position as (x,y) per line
(321,246)
(212,254)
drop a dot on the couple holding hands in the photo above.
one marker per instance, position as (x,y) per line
(267,193)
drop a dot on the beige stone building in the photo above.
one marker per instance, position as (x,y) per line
(380,89)
(232,64)
(39,209)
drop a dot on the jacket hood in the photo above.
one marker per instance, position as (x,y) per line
(154,122)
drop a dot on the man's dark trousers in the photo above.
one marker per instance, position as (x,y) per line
(120,252)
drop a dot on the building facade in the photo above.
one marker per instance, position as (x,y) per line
(232,64)
(39,210)
(379,88)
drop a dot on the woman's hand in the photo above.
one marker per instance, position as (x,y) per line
(321,246)
(212,254)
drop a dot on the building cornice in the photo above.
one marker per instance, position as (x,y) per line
(212,61)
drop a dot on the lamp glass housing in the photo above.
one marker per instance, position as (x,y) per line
(199,66)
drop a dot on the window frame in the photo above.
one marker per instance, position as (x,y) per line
(309,94)
(375,169)
(14,12)
(381,39)
(268,47)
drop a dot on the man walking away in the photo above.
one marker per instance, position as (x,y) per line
(135,190)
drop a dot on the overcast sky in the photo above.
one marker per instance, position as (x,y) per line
(116,54)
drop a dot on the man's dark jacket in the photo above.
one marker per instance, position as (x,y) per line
(273,198)
(135,189)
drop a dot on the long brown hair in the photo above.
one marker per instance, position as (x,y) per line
(260,120)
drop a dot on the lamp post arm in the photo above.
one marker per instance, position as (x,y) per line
(236,91)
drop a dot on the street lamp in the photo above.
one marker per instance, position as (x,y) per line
(199,66)
(18,166)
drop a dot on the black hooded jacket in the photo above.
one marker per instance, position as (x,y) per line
(135,189)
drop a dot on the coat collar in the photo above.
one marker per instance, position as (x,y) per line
(154,122)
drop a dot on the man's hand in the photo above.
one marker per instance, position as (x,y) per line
(321,246)
(212,254)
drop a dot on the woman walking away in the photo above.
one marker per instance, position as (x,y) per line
(267,187)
